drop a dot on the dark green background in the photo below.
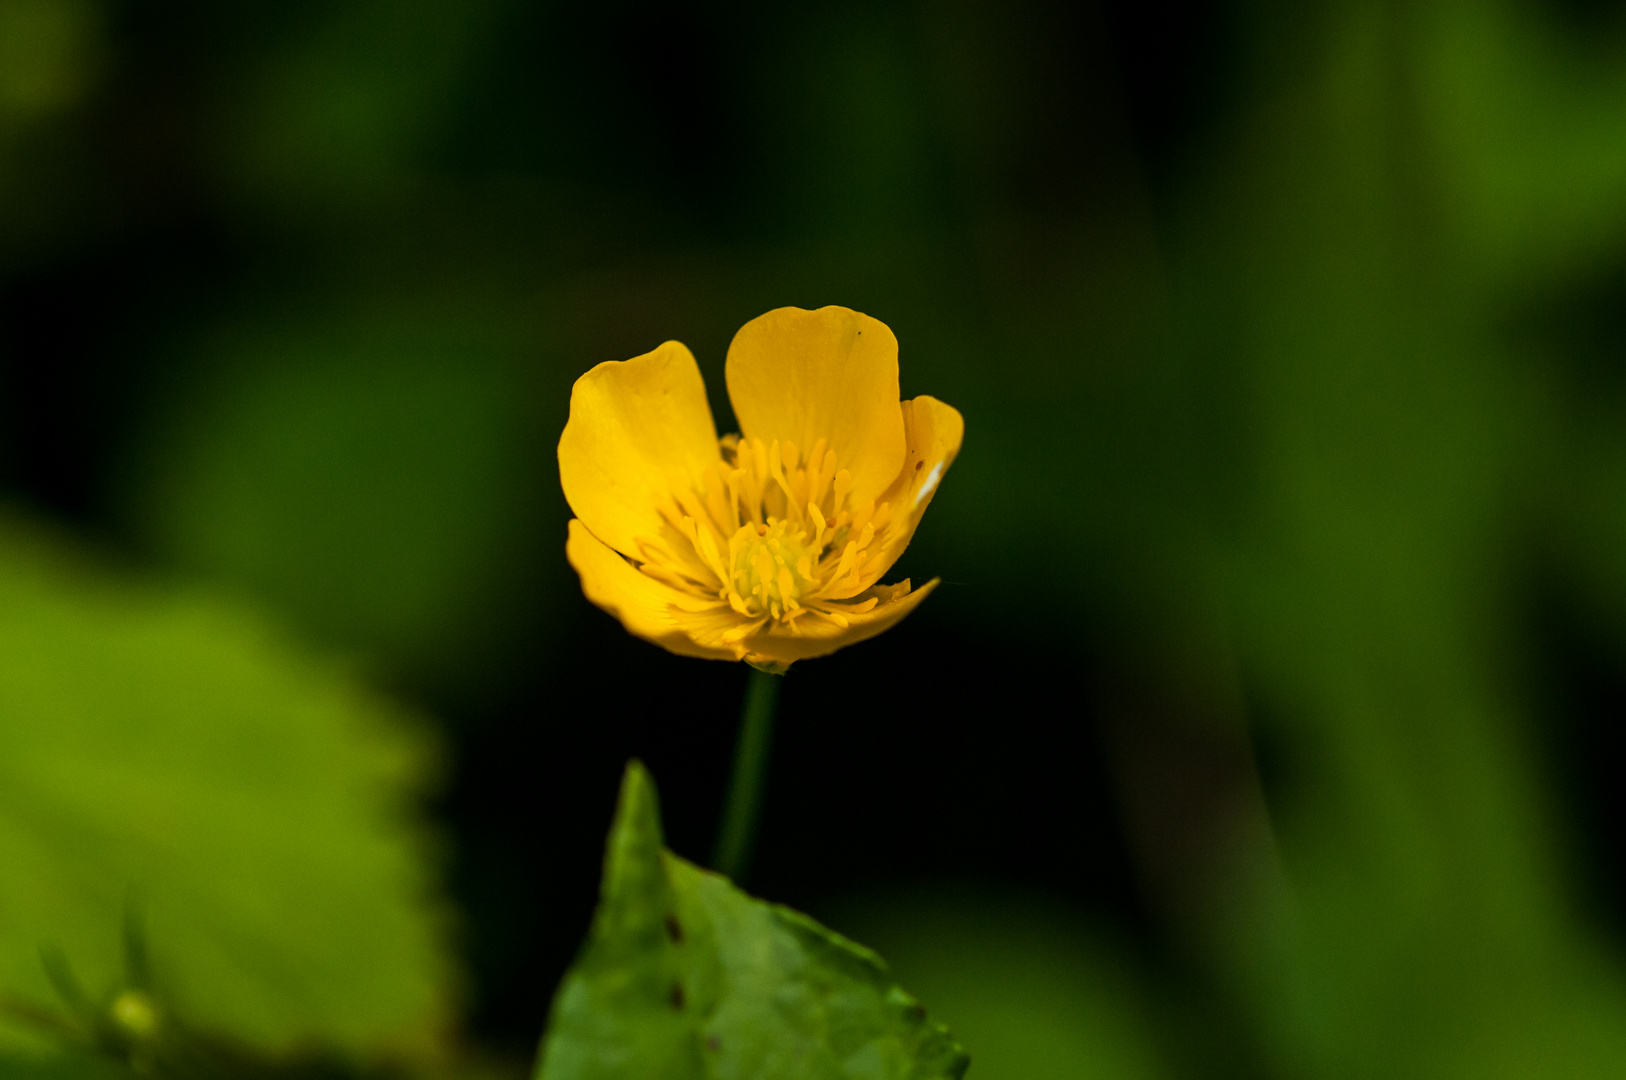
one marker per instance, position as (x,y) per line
(1267,723)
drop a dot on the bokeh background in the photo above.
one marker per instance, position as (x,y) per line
(1267,723)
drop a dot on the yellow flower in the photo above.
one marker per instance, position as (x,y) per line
(767,546)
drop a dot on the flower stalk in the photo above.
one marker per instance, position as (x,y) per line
(737,833)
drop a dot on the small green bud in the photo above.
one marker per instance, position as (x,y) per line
(135,1014)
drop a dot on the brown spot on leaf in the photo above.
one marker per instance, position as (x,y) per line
(677,996)
(674,929)
(713,1043)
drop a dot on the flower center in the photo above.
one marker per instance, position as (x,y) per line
(773,535)
(772,567)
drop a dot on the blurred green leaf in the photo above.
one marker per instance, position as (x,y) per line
(373,477)
(1529,135)
(1425,930)
(63,1066)
(1023,979)
(188,801)
(45,50)
(683,975)
(343,98)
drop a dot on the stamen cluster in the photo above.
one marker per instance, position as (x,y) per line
(774,534)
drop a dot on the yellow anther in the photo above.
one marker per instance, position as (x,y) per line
(827,472)
(844,484)
(849,555)
(835,617)
(760,453)
(815,456)
(709,552)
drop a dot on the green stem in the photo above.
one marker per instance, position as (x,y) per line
(737,834)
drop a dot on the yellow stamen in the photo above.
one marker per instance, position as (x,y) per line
(767,532)
(844,484)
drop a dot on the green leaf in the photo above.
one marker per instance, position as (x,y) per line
(190,804)
(683,975)
(77,1065)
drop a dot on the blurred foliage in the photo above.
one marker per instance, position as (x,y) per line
(1020,979)
(1290,350)
(50,56)
(401,518)
(1399,444)
(45,59)
(683,975)
(198,811)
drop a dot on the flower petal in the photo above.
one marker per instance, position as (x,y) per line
(639,430)
(648,608)
(833,374)
(934,432)
(818,637)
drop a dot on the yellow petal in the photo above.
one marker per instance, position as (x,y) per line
(648,608)
(817,637)
(639,430)
(833,374)
(934,432)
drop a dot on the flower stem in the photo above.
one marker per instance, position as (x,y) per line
(736,836)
